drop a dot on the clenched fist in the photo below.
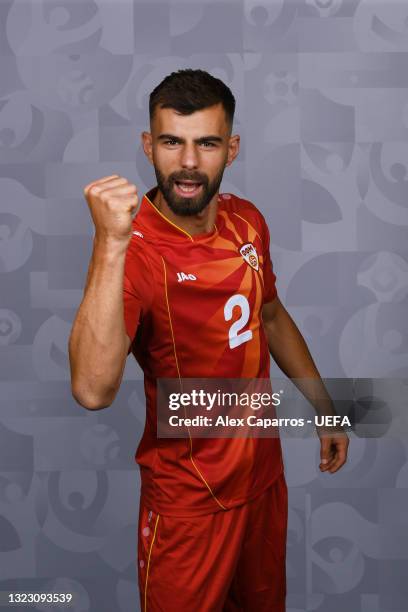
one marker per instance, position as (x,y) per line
(112,201)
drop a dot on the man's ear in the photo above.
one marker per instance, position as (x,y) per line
(147,144)
(233,148)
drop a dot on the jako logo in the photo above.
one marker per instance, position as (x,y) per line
(182,277)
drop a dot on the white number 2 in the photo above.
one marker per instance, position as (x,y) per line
(235,339)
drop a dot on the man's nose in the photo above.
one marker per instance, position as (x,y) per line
(189,157)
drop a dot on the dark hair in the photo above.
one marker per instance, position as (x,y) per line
(190,90)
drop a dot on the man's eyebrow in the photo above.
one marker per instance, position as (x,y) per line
(196,140)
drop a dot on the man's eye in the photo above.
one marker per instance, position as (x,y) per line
(206,143)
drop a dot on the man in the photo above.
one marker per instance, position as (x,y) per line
(187,285)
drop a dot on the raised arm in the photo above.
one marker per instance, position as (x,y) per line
(98,344)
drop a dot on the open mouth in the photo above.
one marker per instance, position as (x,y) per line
(187,188)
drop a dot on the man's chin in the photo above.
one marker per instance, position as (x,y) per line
(186,208)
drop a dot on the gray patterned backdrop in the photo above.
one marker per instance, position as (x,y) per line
(322,109)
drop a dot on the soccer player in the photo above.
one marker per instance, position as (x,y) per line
(183,279)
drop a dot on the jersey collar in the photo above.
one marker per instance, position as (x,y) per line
(152,219)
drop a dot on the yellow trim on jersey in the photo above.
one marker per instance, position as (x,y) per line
(248,223)
(168,311)
(168,220)
(202,477)
(179,375)
(148,562)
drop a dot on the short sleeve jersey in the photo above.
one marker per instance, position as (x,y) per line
(177,290)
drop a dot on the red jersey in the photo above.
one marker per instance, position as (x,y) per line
(180,293)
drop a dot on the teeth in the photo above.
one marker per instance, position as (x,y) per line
(184,187)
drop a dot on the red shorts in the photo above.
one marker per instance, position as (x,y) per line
(226,561)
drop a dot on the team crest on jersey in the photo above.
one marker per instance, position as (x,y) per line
(248,252)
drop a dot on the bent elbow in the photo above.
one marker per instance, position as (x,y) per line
(90,402)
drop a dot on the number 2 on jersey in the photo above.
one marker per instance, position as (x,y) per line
(236,338)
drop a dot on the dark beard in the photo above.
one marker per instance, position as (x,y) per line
(188,207)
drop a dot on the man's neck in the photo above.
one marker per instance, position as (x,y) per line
(201,223)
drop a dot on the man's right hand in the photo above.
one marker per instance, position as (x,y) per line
(112,201)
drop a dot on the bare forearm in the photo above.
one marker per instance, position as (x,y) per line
(290,352)
(98,342)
